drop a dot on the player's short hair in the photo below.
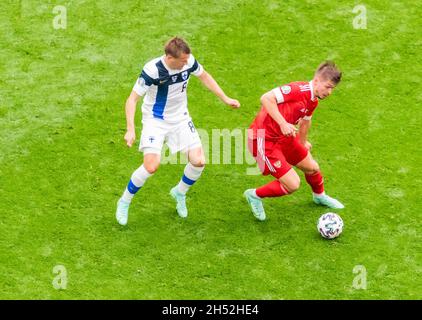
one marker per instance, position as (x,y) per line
(176,46)
(329,71)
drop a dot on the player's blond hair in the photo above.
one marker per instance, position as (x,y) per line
(176,46)
(329,71)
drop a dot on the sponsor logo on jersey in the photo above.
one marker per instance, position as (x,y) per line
(184,75)
(151,139)
(163,81)
(286,89)
(304,110)
(174,78)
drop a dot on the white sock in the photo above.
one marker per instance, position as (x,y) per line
(319,195)
(136,182)
(191,174)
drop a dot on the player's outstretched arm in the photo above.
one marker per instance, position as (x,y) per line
(130,109)
(269,102)
(213,86)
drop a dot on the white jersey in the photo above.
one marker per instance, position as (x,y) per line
(165,89)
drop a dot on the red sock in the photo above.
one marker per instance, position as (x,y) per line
(316,182)
(272,189)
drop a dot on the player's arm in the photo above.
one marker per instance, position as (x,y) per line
(130,109)
(269,102)
(213,86)
(304,126)
(141,86)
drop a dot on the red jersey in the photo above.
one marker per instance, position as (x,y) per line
(295,101)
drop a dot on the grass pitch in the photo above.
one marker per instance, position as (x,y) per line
(64,164)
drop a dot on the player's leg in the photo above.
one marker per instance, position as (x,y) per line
(274,163)
(140,175)
(191,173)
(296,154)
(193,169)
(137,180)
(287,184)
(152,139)
(314,178)
(186,139)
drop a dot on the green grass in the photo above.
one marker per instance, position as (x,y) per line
(64,164)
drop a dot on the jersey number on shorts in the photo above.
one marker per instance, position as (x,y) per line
(191,126)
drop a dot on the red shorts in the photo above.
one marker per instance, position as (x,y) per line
(277,157)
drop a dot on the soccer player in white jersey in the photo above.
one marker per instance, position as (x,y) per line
(165,118)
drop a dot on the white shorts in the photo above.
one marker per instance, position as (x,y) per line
(180,136)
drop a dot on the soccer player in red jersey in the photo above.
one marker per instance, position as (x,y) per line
(277,144)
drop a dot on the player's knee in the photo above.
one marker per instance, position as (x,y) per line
(197,159)
(292,185)
(151,167)
(313,168)
(200,162)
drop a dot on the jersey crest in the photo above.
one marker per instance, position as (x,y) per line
(185,75)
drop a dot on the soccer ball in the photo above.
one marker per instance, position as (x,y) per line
(330,225)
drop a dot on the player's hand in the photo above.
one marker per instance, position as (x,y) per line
(130,137)
(308,145)
(232,103)
(287,129)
